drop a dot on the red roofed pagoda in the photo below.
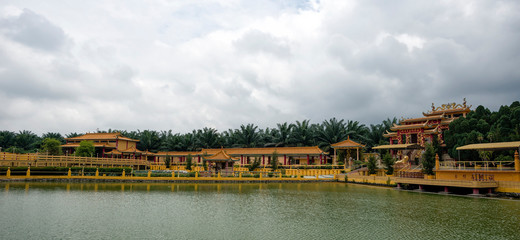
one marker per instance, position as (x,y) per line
(414,133)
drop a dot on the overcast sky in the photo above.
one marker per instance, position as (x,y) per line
(78,66)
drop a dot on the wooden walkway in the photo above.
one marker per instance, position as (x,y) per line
(447,183)
(42,160)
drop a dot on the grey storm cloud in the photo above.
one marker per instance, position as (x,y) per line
(182,65)
(34,31)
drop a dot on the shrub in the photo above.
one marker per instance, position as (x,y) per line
(388,161)
(428,160)
(371,165)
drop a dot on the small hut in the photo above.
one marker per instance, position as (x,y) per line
(220,162)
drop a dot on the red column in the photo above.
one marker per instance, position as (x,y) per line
(199,159)
(308,160)
(263,159)
(321,160)
(284,159)
(241,159)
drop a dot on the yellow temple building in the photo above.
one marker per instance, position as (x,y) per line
(112,145)
(410,136)
(285,155)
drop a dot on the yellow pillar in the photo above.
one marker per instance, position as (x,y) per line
(69,174)
(240,175)
(28,171)
(123,174)
(317,176)
(149,174)
(196,174)
(437,163)
(517,162)
(8,172)
(97,172)
(280,174)
(173,174)
(261,175)
(218,175)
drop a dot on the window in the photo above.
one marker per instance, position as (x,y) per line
(414,138)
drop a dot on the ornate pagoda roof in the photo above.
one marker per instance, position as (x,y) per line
(75,145)
(347,144)
(423,119)
(221,156)
(102,136)
(411,126)
(449,108)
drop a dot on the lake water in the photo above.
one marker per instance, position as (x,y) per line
(247,211)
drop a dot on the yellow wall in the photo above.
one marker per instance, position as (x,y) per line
(478,175)
(122,145)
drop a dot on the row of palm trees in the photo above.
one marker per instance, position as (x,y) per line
(299,133)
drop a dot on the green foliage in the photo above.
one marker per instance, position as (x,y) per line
(485,155)
(13,149)
(274,161)
(389,162)
(56,136)
(85,149)
(27,141)
(168,161)
(205,165)
(428,160)
(483,126)
(51,146)
(371,165)
(7,139)
(341,155)
(188,162)
(255,164)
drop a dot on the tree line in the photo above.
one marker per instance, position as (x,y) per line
(297,134)
(484,126)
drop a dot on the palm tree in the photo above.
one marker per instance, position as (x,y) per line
(248,135)
(282,134)
(149,140)
(207,138)
(7,139)
(229,138)
(73,134)
(187,142)
(56,136)
(27,141)
(356,131)
(329,132)
(301,134)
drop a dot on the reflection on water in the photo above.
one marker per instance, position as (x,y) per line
(238,211)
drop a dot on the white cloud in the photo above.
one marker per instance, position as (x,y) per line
(182,65)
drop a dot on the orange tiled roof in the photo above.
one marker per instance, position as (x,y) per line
(106,145)
(267,151)
(347,144)
(131,150)
(411,126)
(435,117)
(114,152)
(449,111)
(221,156)
(179,153)
(102,136)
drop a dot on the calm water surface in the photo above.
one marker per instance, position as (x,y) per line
(246,211)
